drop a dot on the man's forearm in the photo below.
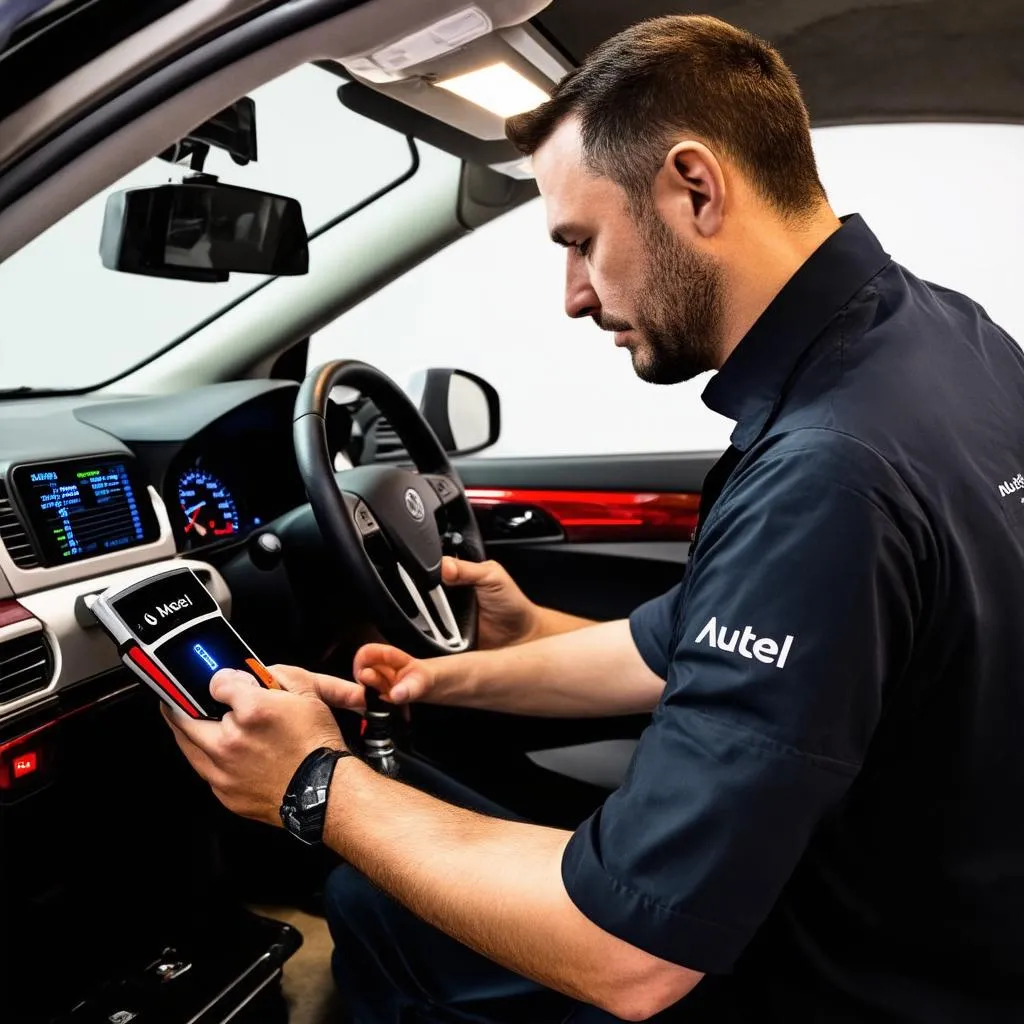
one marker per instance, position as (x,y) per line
(493,885)
(592,672)
(551,622)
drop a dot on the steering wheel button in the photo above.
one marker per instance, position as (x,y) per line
(364,520)
(445,489)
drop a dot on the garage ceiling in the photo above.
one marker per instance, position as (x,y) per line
(857,60)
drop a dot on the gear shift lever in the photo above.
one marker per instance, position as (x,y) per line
(377,743)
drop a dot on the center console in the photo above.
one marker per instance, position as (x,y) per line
(117,903)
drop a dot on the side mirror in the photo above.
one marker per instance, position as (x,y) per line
(201,230)
(461,408)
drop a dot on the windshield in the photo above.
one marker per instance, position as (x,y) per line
(70,323)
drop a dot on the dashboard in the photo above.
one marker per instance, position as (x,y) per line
(234,476)
(94,491)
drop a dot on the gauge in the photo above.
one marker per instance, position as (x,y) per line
(207,505)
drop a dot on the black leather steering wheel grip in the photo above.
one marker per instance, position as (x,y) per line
(386,524)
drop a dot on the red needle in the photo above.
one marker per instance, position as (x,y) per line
(192,521)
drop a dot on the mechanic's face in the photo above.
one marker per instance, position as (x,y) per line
(628,269)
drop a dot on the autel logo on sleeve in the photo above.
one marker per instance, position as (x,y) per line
(750,645)
(1008,487)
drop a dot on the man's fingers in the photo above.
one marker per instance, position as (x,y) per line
(238,690)
(292,678)
(457,572)
(191,735)
(371,677)
(398,676)
(407,686)
(199,731)
(380,657)
(412,685)
(339,693)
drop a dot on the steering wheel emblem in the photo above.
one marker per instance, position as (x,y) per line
(414,505)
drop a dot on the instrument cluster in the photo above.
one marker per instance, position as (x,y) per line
(207,508)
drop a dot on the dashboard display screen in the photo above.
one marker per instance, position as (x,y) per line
(84,507)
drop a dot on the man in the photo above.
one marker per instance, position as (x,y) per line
(821,822)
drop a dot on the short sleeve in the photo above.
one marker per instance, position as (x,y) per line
(796,615)
(653,627)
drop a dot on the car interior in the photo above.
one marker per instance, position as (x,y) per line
(309,500)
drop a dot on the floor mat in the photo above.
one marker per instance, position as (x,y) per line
(308,985)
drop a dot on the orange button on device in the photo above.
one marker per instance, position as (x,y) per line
(259,670)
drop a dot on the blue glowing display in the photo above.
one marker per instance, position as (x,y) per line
(207,506)
(204,655)
(78,509)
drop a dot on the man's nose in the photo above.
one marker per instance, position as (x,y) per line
(580,298)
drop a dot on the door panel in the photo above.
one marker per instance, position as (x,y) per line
(605,578)
(662,471)
(557,770)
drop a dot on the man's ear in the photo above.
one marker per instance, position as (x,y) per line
(692,185)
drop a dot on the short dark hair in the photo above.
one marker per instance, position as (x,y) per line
(685,73)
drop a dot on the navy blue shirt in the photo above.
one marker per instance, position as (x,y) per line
(826,813)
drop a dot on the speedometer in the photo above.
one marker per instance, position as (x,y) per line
(207,505)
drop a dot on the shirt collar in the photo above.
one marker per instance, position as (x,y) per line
(749,385)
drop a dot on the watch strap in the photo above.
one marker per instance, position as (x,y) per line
(304,809)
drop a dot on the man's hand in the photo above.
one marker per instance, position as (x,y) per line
(250,756)
(398,677)
(581,673)
(339,693)
(506,616)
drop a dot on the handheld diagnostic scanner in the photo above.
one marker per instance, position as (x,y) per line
(171,633)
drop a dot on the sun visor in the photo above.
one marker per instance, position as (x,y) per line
(467,66)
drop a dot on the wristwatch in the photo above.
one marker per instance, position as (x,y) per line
(304,808)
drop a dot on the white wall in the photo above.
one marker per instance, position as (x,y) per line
(945,200)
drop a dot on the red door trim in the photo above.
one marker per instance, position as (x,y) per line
(603,515)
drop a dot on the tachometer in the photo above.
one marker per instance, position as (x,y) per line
(207,505)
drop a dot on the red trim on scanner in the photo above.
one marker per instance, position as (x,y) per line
(603,515)
(152,670)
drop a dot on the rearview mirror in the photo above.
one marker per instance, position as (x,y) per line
(461,408)
(202,230)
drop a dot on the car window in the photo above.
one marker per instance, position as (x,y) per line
(88,324)
(492,302)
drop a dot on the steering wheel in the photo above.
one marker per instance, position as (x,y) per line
(387,525)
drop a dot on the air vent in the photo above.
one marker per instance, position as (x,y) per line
(13,535)
(26,665)
(386,442)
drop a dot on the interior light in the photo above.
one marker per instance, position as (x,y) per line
(498,88)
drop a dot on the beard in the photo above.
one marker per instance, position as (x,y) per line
(680,303)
